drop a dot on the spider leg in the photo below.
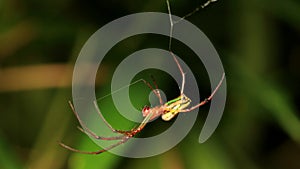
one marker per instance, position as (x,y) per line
(158,93)
(144,122)
(127,135)
(155,91)
(87,131)
(125,139)
(182,73)
(107,124)
(135,130)
(91,133)
(206,100)
(124,132)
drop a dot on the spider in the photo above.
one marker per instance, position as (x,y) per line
(167,111)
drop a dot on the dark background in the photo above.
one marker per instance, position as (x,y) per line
(258,43)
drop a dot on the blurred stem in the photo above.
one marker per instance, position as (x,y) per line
(35,77)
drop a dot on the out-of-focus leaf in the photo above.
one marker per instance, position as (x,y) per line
(8,159)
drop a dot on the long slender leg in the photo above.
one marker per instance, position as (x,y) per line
(91,133)
(158,93)
(124,132)
(181,71)
(107,124)
(207,99)
(155,91)
(86,130)
(138,129)
(125,138)
(144,122)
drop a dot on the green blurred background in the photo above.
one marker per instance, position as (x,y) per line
(258,43)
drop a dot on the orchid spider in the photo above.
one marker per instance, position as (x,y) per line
(167,110)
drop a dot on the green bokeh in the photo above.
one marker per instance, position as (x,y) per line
(258,43)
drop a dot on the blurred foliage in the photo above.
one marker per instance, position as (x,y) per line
(258,42)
